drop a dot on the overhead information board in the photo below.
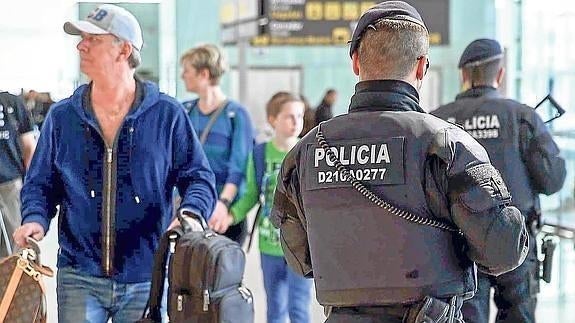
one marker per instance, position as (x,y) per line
(331,22)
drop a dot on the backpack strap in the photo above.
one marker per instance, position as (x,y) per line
(152,312)
(212,121)
(260,164)
(259,157)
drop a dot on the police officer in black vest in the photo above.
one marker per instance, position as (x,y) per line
(522,149)
(388,208)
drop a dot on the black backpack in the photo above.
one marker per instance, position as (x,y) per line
(205,278)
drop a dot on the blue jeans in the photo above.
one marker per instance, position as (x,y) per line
(84,298)
(287,293)
(515,293)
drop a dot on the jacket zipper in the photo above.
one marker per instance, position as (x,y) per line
(107,199)
(108,212)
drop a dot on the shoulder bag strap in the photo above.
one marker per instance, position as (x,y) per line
(259,157)
(213,118)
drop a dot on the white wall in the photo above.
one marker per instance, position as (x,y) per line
(36,53)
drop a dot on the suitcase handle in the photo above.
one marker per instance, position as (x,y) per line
(31,251)
(185,213)
(34,244)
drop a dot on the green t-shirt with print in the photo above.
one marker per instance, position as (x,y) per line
(269,242)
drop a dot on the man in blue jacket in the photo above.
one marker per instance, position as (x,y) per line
(109,156)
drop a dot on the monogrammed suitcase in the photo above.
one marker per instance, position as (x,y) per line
(22,292)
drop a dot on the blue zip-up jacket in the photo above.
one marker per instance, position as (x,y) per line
(155,149)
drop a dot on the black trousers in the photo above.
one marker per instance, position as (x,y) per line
(515,293)
(391,314)
(399,313)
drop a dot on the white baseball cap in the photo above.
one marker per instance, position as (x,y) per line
(109,19)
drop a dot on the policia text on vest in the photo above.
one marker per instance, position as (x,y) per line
(481,126)
(376,161)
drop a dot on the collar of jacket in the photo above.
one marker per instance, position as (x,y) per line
(150,97)
(479,91)
(138,98)
(385,95)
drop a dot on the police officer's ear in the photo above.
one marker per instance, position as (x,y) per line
(355,63)
(422,66)
(466,83)
(500,75)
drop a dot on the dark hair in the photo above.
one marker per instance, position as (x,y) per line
(484,74)
(329,91)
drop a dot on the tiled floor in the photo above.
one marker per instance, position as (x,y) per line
(549,310)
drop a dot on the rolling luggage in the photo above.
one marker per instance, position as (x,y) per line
(205,276)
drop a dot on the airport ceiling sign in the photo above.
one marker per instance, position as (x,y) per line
(327,22)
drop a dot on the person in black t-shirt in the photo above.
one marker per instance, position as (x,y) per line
(17,144)
(324,110)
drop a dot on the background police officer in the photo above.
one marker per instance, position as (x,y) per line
(385,249)
(521,148)
(17,145)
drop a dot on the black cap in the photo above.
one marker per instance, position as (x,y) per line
(390,10)
(480,51)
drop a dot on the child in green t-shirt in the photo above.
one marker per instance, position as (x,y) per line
(288,294)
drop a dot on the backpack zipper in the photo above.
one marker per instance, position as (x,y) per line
(206,300)
(180,305)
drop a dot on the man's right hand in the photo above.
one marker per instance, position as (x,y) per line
(31,229)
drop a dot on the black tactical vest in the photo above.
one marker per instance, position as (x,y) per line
(495,123)
(368,256)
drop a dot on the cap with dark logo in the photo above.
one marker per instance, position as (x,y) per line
(109,19)
(480,51)
(389,10)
